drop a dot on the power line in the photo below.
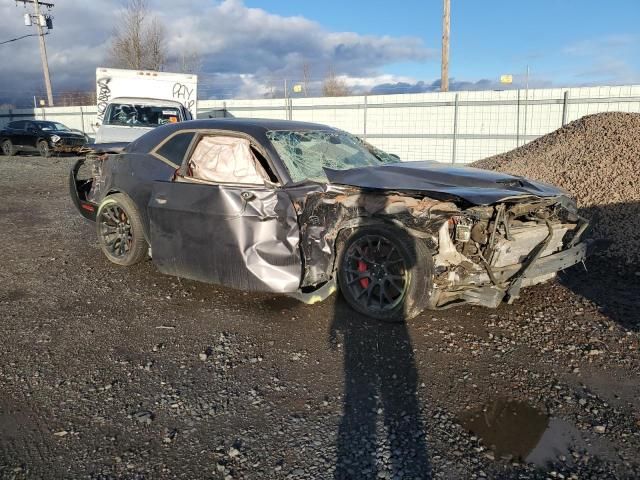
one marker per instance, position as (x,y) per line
(20,38)
(48,5)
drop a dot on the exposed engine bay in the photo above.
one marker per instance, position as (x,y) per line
(491,252)
(481,255)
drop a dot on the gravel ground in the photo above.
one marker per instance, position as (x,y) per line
(108,372)
(597,159)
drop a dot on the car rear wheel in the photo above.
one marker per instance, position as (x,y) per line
(7,148)
(44,149)
(120,231)
(385,274)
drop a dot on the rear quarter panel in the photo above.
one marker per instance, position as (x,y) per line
(133,174)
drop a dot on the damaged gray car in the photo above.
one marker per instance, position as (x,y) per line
(302,209)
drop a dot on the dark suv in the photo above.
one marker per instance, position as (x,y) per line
(40,136)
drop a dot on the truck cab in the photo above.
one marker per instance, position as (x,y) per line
(126,119)
(132,102)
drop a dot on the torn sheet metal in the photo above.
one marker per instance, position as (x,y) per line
(478,187)
(103,148)
(325,213)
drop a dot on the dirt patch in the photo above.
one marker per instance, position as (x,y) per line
(109,372)
(597,159)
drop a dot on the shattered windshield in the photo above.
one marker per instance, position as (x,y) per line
(131,115)
(306,152)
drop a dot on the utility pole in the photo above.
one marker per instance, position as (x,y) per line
(526,105)
(446,25)
(40,22)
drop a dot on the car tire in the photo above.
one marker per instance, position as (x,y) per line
(43,149)
(120,231)
(384,273)
(7,148)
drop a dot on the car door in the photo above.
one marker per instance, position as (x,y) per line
(235,230)
(31,136)
(16,132)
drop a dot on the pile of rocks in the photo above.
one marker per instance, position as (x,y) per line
(597,159)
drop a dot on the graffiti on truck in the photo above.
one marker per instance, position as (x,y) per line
(184,94)
(104,95)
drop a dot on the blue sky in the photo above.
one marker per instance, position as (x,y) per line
(248,47)
(565,42)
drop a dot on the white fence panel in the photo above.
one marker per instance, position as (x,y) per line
(455,127)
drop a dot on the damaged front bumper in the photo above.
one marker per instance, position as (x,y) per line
(541,270)
(66,148)
(496,280)
(558,261)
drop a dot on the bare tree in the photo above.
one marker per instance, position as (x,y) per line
(139,42)
(334,86)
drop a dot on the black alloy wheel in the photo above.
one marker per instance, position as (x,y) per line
(115,228)
(384,273)
(376,273)
(120,232)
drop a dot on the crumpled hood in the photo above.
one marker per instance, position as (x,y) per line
(477,186)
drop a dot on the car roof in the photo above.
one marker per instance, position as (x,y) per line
(264,123)
(255,127)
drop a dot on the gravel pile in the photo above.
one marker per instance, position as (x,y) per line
(597,159)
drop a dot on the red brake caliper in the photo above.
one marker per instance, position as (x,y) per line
(362,267)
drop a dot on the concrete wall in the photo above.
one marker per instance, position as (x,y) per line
(457,127)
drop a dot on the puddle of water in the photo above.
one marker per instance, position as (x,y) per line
(514,429)
(510,428)
(556,441)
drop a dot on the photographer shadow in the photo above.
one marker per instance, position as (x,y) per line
(381,434)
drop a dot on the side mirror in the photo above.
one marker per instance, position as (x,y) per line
(397,157)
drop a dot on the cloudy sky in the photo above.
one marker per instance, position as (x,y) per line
(248,47)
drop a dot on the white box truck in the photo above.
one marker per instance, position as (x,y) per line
(132,102)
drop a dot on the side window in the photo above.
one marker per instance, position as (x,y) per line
(19,125)
(175,148)
(225,159)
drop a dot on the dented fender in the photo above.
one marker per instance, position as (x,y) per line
(324,214)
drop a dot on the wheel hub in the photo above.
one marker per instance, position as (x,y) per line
(378,271)
(122,228)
